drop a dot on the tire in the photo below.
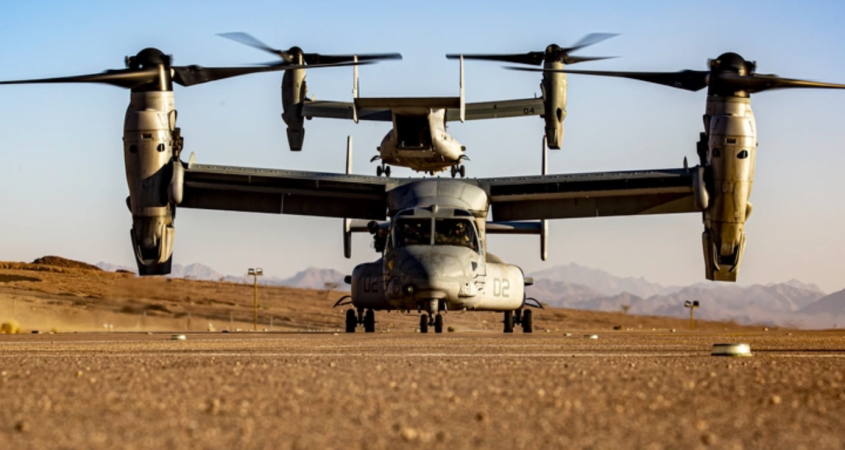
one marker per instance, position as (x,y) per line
(527,321)
(424,323)
(370,321)
(378,171)
(508,321)
(463,171)
(387,171)
(351,321)
(454,171)
(438,323)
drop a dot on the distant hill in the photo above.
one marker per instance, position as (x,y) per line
(599,280)
(578,287)
(828,311)
(310,278)
(58,261)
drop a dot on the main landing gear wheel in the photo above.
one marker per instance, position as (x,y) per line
(527,321)
(438,323)
(508,321)
(459,170)
(351,320)
(370,321)
(383,170)
(424,323)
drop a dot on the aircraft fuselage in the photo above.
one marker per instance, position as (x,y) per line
(420,142)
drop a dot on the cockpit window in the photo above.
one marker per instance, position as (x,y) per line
(412,232)
(458,232)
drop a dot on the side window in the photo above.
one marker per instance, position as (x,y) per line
(743,154)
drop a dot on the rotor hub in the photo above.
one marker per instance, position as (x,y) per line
(148,57)
(732,62)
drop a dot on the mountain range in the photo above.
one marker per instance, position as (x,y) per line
(791,303)
(310,278)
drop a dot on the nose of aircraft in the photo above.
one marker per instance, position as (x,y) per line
(433,272)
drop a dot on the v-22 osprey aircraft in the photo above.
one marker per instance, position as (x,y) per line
(419,138)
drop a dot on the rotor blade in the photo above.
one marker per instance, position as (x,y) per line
(121,78)
(590,39)
(249,40)
(690,80)
(532,58)
(316,58)
(578,59)
(191,75)
(759,83)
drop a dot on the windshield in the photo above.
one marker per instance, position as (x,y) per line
(458,232)
(412,232)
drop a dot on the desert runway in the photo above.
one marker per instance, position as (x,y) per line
(387,390)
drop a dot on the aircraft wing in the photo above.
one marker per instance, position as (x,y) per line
(343,110)
(379,109)
(592,194)
(285,192)
(498,110)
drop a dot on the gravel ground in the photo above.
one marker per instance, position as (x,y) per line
(405,390)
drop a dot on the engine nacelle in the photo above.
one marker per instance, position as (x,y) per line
(154,184)
(730,175)
(554,100)
(294,90)
(368,286)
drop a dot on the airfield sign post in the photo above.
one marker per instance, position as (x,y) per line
(255,274)
(691,305)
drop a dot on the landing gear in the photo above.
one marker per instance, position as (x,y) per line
(456,170)
(383,169)
(508,321)
(527,321)
(432,317)
(351,321)
(370,321)
(438,323)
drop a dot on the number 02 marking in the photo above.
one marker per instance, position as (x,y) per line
(501,287)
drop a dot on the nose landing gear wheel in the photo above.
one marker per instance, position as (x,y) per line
(454,171)
(351,321)
(370,321)
(424,323)
(387,171)
(508,321)
(463,171)
(438,323)
(527,321)
(379,171)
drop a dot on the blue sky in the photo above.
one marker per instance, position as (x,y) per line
(62,182)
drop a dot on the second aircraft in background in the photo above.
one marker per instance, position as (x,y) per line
(418,139)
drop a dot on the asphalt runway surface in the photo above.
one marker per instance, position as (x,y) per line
(405,390)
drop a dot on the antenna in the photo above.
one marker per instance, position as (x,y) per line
(463,100)
(545,169)
(544,224)
(347,223)
(354,92)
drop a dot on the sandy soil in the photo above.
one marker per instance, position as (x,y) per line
(406,390)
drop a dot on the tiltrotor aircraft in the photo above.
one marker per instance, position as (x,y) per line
(727,148)
(419,139)
(431,234)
